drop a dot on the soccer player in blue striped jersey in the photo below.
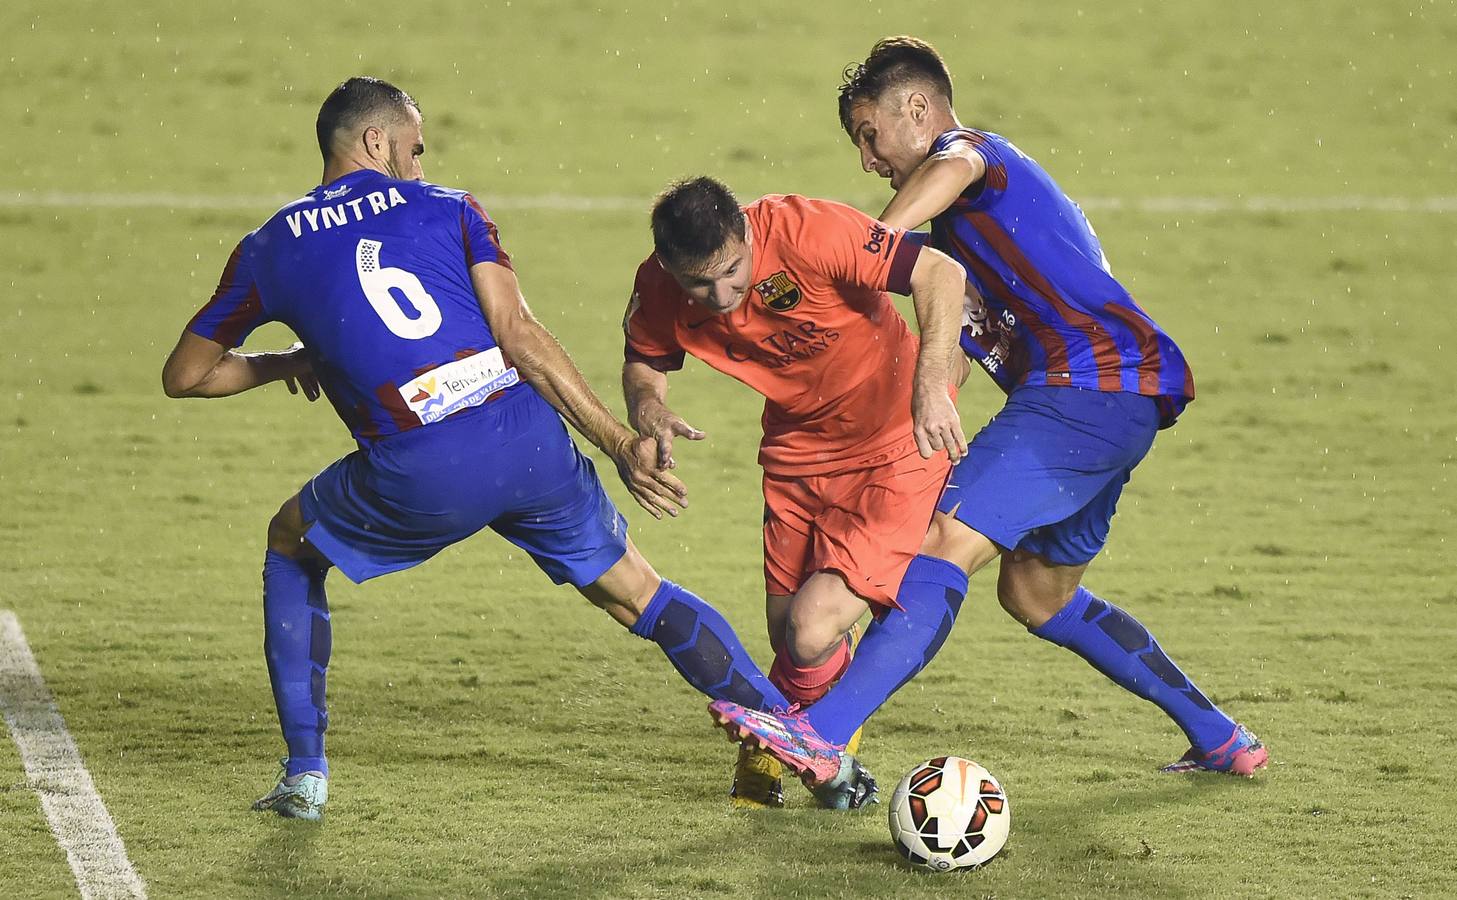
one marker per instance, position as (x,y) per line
(1090,378)
(412,323)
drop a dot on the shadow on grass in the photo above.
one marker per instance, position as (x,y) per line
(814,853)
(283,862)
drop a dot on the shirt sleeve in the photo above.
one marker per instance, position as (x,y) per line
(235,308)
(478,233)
(648,322)
(852,248)
(986,192)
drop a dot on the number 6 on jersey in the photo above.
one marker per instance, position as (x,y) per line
(377,280)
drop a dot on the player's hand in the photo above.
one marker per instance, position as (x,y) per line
(307,382)
(299,374)
(655,489)
(670,426)
(936,424)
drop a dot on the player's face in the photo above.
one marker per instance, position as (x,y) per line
(889,137)
(406,146)
(721,284)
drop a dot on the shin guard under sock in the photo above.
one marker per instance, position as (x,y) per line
(297,642)
(896,646)
(704,649)
(1117,645)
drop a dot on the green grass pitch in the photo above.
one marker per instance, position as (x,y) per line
(1290,541)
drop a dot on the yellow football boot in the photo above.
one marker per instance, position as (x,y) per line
(852,746)
(759,777)
(758,780)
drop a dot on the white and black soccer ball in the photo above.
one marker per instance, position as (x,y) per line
(949,813)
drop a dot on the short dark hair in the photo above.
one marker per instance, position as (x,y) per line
(893,62)
(693,219)
(354,101)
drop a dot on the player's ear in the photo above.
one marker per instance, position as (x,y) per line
(376,144)
(918,105)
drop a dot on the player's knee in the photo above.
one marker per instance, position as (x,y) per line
(950,539)
(286,530)
(1016,604)
(1028,605)
(811,641)
(626,589)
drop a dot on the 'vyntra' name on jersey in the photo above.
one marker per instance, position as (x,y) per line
(339,214)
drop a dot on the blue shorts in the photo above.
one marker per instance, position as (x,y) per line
(1045,473)
(509,464)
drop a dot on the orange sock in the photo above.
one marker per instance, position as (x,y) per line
(806,685)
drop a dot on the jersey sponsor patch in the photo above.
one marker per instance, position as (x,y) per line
(457,385)
(880,239)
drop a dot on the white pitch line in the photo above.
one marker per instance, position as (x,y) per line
(54,770)
(1439,204)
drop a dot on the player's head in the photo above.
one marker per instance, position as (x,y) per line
(895,104)
(701,237)
(373,123)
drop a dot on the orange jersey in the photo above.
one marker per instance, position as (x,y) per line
(817,334)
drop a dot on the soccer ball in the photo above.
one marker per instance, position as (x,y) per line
(949,813)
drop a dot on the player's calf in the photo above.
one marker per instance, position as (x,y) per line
(695,637)
(1120,647)
(297,643)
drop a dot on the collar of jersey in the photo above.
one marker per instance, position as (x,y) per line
(349,178)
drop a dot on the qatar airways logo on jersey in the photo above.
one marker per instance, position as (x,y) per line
(784,347)
(325,217)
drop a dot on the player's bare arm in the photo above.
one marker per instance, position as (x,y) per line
(934,184)
(546,366)
(645,390)
(200,367)
(938,284)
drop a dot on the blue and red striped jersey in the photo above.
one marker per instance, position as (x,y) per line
(373,275)
(1053,313)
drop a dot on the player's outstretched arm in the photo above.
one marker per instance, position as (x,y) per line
(933,186)
(645,390)
(938,286)
(542,361)
(200,367)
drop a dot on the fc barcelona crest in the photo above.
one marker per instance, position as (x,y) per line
(779,293)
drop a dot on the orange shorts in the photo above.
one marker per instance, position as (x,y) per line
(866,524)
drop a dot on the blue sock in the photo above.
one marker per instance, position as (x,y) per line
(895,647)
(1118,646)
(296,642)
(704,649)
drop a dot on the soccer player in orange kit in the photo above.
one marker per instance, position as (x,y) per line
(789,296)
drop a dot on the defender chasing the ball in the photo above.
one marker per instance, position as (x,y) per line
(1090,379)
(413,324)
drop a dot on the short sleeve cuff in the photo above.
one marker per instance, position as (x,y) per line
(670,362)
(904,260)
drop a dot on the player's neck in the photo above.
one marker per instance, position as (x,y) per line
(943,121)
(335,169)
